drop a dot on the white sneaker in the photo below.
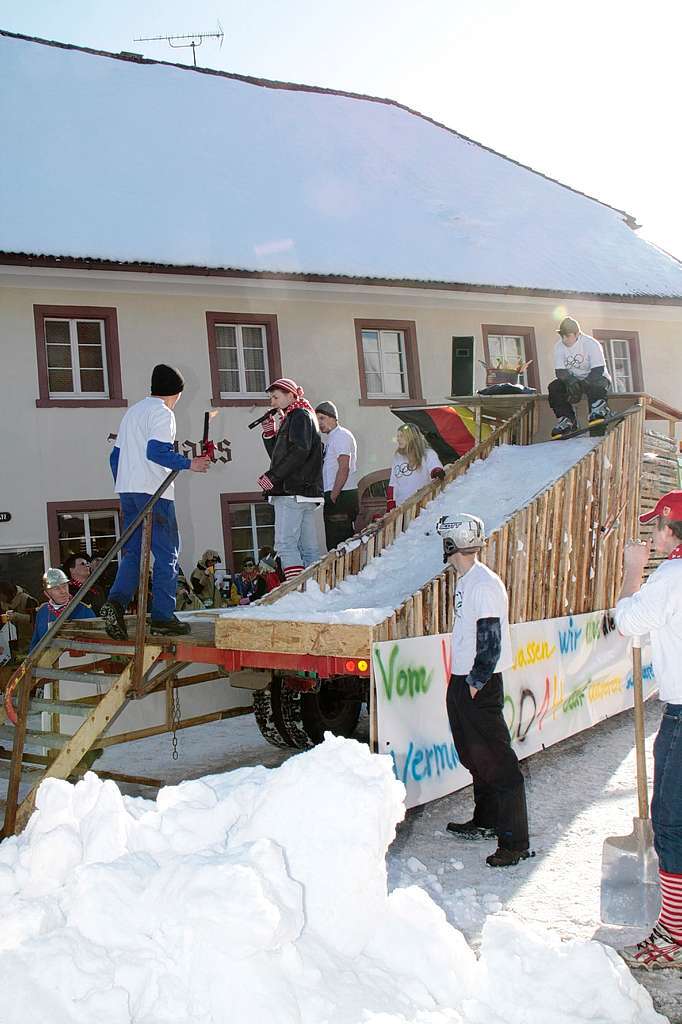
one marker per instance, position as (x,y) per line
(658,951)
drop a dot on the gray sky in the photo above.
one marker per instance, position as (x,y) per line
(587,92)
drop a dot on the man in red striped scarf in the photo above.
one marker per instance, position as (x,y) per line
(293,483)
(656,609)
(56,589)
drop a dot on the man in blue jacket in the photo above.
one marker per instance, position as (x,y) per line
(141,460)
(56,590)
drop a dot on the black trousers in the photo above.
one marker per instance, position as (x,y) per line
(562,404)
(339,517)
(484,747)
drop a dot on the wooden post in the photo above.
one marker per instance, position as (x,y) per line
(373,713)
(142,596)
(45,660)
(82,740)
(17,754)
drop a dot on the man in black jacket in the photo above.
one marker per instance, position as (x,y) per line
(294,481)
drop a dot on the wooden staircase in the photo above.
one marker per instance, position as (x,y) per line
(65,755)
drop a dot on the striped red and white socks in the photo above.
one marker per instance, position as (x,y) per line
(291,570)
(671,903)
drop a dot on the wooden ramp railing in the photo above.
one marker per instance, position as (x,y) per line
(660,474)
(357,552)
(559,555)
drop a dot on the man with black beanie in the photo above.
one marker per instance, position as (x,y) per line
(141,460)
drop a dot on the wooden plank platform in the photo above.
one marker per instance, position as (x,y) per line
(202,633)
(323,639)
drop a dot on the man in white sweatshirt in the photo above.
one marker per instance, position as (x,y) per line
(481,651)
(142,459)
(656,609)
(580,369)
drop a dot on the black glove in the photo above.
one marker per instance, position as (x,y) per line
(574,389)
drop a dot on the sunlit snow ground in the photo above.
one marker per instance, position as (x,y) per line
(578,792)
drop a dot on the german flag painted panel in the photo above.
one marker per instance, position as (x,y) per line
(450,429)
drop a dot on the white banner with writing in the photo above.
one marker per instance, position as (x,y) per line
(568,674)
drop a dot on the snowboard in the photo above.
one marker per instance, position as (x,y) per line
(599,429)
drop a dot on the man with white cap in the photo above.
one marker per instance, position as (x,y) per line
(656,608)
(481,651)
(293,483)
(56,590)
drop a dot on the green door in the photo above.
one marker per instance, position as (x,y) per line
(462,366)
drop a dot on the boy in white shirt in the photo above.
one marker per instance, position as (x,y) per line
(339,476)
(481,651)
(656,608)
(141,460)
(580,370)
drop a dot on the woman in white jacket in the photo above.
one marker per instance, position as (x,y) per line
(415,464)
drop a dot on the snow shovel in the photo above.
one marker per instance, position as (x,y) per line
(630,893)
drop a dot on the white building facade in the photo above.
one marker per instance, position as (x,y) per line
(350,243)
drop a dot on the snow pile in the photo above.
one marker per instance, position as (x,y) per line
(493,489)
(260,896)
(317,175)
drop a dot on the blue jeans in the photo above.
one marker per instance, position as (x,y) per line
(296,538)
(165,549)
(666,805)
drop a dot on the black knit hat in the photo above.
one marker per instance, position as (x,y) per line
(166,381)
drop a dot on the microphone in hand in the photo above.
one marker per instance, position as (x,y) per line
(261,419)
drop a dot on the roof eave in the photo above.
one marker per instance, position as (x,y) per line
(94,263)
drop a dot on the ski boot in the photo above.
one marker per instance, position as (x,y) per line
(564,425)
(599,412)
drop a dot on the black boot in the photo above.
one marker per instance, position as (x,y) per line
(504,858)
(112,614)
(170,627)
(470,830)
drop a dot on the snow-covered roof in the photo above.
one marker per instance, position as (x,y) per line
(143,162)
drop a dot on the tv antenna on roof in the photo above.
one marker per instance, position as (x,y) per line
(195,39)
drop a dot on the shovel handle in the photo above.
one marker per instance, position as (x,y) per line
(642,788)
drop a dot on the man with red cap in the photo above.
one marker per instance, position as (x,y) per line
(656,609)
(293,483)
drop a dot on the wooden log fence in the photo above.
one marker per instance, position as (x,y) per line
(559,555)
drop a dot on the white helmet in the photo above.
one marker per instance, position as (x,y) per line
(460,532)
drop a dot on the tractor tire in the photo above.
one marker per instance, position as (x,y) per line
(291,704)
(278,715)
(267,711)
(334,708)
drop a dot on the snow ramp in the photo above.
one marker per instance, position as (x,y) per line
(557,515)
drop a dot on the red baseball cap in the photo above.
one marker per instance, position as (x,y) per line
(669,506)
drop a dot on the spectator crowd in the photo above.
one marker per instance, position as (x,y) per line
(313,464)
